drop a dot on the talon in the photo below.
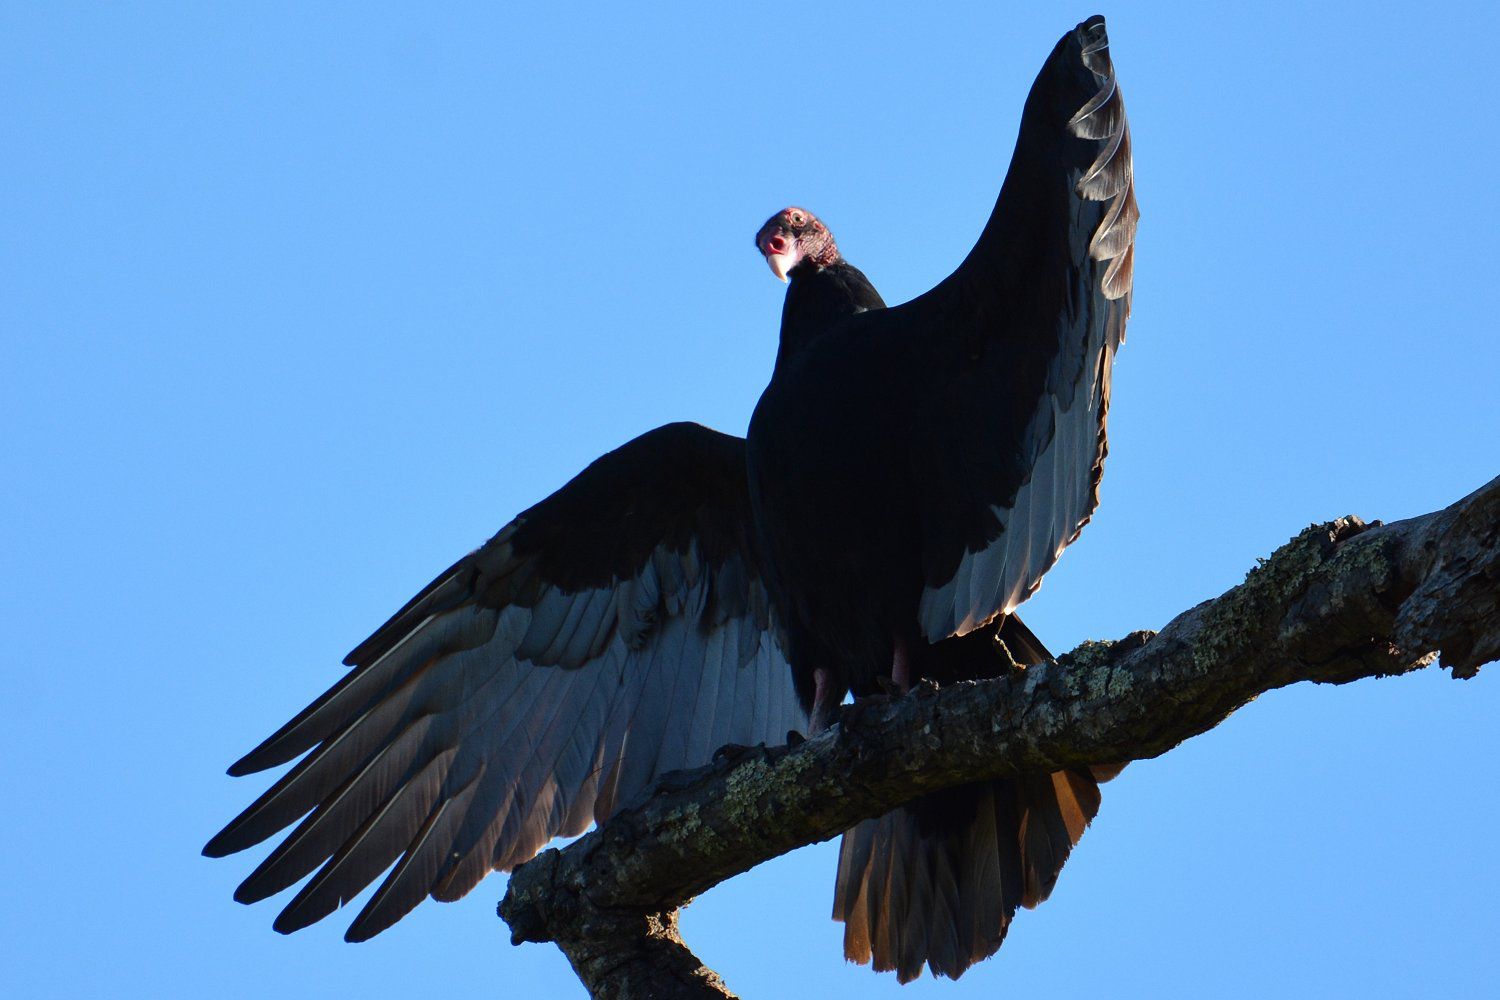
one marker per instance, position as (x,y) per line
(731,752)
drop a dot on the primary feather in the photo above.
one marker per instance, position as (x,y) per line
(615,631)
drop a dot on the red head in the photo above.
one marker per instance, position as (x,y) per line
(793,235)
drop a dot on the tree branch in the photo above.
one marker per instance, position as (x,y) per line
(1339,602)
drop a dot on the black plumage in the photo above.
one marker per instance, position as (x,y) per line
(615,631)
(643,615)
(916,470)
(938,880)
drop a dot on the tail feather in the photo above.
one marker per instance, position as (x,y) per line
(937,881)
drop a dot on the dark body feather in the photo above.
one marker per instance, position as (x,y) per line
(914,472)
(817,299)
(891,455)
(937,881)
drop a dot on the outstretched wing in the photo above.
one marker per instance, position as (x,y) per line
(615,631)
(1009,440)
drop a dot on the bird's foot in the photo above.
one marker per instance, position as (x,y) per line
(730,754)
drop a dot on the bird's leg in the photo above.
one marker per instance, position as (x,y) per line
(899,682)
(822,712)
(901,666)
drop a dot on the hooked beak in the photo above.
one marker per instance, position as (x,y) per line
(781,253)
(781,263)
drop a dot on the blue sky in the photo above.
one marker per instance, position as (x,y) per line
(298,307)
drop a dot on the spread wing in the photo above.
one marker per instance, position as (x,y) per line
(1009,442)
(615,631)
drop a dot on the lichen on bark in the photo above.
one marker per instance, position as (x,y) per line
(1338,602)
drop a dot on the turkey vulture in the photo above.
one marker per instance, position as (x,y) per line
(619,629)
(938,880)
(614,632)
(915,470)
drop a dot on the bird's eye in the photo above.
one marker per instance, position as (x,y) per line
(798,218)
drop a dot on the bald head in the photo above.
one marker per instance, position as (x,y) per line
(793,236)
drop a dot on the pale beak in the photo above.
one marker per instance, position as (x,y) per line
(781,263)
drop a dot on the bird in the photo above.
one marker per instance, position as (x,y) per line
(915,470)
(614,632)
(937,881)
(622,628)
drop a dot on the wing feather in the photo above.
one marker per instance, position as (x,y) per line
(410,881)
(369,852)
(604,637)
(1034,318)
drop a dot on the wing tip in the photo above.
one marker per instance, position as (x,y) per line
(1092,31)
(246,765)
(289,923)
(232,838)
(226,842)
(1111,176)
(245,894)
(306,908)
(358,933)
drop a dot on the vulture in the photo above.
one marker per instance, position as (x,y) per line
(656,607)
(914,471)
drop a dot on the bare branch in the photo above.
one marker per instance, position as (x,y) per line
(1339,602)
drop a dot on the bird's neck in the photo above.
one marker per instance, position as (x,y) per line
(817,298)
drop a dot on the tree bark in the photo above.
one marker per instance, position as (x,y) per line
(1339,602)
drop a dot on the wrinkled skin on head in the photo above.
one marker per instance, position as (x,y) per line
(794,237)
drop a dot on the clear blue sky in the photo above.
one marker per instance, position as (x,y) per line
(298,307)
